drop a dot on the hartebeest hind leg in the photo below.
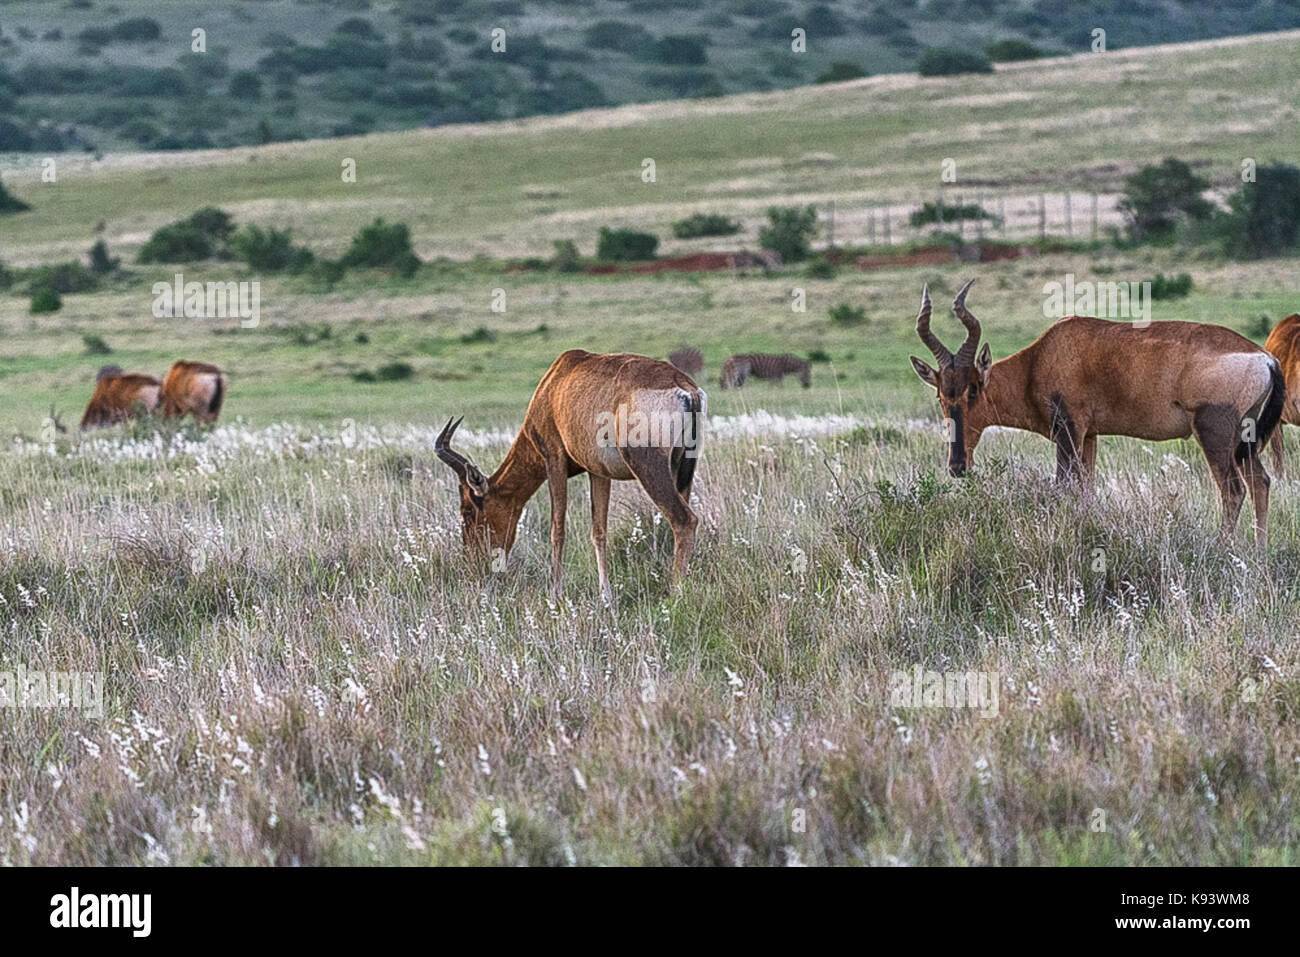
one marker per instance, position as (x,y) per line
(1257,481)
(653,469)
(599,522)
(1216,431)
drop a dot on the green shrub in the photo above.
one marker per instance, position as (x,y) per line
(176,243)
(95,345)
(625,245)
(680,51)
(270,250)
(135,30)
(789,232)
(480,335)
(69,277)
(841,70)
(615,35)
(1156,198)
(944,213)
(946,61)
(818,355)
(383,245)
(705,224)
(1012,50)
(45,299)
(1174,287)
(246,85)
(1263,217)
(10,203)
(100,262)
(845,315)
(566,257)
(820,268)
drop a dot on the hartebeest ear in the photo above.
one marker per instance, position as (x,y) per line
(984,364)
(928,375)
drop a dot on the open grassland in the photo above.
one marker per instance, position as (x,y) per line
(301,667)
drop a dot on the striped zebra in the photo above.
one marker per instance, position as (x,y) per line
(687,359)
(739,368)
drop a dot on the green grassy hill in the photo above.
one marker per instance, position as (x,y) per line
(510,189)
(96,75)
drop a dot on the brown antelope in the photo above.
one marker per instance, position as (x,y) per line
(739,368)
(615,417)
(1284,343)
(193,388)
(120,396)
(688,359)
(1087,377)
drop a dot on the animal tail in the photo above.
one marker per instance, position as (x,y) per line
(693,406)
(1267,413)
(218,396)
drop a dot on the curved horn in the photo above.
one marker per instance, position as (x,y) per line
(931,341)
(465,470)
(966,354)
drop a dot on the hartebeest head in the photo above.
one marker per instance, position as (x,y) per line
(488,521)
(960,379)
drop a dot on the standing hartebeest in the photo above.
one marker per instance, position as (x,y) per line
(1284,343)
(119,396)
(1087,377)
(615,417)
(193,388)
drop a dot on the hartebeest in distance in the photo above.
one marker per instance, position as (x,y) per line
(741,367)
(616,417)
(119,396)
(1087,377)
(1284,343)
(193,388)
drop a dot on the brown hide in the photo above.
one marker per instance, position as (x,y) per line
(193,388)
(118,397)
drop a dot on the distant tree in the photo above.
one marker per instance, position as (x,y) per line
(1012,49)
(681,51)
(100,261)
(840,71)
(10,203)
(1263,217)
(1156,198)
(246,85)
(789,232)
(943,61)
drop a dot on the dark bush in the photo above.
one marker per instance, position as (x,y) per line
(705,224)
(1174,287)
(948,213)
(176,243)
(246,85)
(383,245)
(270,250)
(945,61)
(136,30)
(616,35)
(840,71)
(1263,217)
(789,232)
(10,203)
(843,314)
(1011,50)
(566,257)
(680,51)
(45,299)
(70,277)
(100,262)
(625,245)
(95,345)
(1156,198)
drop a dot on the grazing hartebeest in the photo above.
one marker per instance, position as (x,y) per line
(1087,377)
(1284,343)
(739,368)
(688,359)
(120,396)
(193,388)
(615,417)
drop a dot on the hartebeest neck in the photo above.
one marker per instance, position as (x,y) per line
(520,474)
(1006,398)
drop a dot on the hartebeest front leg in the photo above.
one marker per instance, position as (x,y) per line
(1279,450)
(599,522)
(557,477)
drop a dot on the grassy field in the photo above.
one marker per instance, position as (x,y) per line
(302,667)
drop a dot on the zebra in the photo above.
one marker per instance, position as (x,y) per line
(688,360)
(739,368)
